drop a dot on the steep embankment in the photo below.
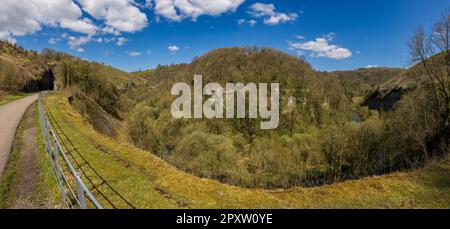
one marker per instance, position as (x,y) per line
(149,182)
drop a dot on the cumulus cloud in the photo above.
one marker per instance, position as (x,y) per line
(173,48)
(177,10)
(372,66)
(321,47)
(19,18)
(270,15)
(133,53)
(121,15)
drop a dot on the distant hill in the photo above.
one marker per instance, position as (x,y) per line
(386,94)
(360,82)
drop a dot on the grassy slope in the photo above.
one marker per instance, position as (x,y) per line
(149,182)
(118,77)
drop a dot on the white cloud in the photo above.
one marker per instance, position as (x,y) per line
(52,41)
(19,18)
(81,26)
(173,48)
(251,22)
(271,17)
(372,66)
(122,15)
(299,37)
(75,43)
(110,30)
(121,41)
(321,47)
(177,10)
(133,53)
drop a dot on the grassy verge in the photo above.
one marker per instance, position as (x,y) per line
(149,182)
(47,189)
(11,98)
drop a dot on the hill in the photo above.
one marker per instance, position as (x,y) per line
(384,95)
(30,71)
(21,70)
(360,82)
(237,151)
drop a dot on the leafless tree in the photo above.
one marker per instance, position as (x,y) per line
(433,54)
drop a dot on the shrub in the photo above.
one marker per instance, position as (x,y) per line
(208,155)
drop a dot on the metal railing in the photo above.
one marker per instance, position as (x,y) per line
(74,191)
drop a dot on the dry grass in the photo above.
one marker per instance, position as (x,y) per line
(11,98)
(149,182)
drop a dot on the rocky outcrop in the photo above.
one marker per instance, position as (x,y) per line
(379,100)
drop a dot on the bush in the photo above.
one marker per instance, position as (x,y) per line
(208,155)
(142,129)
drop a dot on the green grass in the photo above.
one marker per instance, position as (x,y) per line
(118,77)
(47,189)
(149,182)
(11,98)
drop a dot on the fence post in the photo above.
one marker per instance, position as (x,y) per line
(80,192)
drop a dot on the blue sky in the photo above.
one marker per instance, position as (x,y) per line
(331,35)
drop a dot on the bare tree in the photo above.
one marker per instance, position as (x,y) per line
(433,54)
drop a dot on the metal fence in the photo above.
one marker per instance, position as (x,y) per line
(74,191)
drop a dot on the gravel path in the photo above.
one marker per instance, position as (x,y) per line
(10,116)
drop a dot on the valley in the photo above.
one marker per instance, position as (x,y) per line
(372,137)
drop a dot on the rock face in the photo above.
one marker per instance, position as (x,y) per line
(387,94)
(379,100)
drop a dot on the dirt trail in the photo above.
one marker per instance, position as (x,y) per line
(10,116)
(29,167)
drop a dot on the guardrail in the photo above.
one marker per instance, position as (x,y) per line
(74,191)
